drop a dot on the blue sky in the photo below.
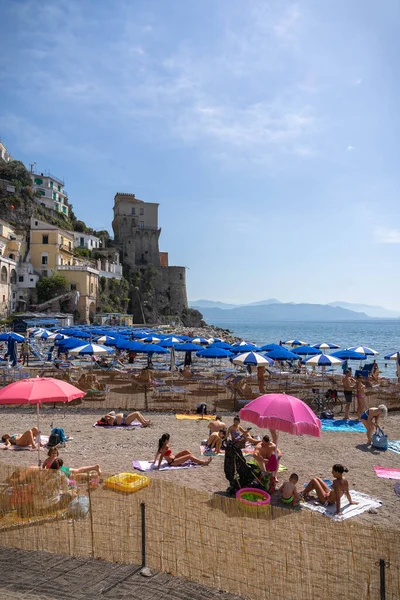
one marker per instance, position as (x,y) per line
(267,130)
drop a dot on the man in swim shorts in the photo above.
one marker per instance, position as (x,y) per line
(348,385)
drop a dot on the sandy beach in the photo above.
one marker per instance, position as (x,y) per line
(115,450)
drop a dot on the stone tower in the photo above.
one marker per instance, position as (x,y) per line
(136,230)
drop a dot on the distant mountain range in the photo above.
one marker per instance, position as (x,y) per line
(274,310)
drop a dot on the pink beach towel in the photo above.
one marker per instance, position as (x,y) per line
(147,465)
(387,472)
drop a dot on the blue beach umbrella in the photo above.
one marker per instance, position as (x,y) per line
(306,351)
(271,347)
(200,340)
(241,347)
(295,343)
(326,346)
(323,360)
(4,337)
(282,354)
(107,340)
(254,359)
(363,350)
(348,355)
(70,343)
(392,356)
(131,346)
(91,349)
(169,342)
(222,345)
(150,339)
(213,353)
(150,348)
(82,334)
(187,347)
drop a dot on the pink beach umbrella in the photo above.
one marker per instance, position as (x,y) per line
(282,412)
(38,390)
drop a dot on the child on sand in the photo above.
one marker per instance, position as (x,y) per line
(288,491)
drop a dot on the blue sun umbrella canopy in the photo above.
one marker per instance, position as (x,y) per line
(213,353)
(107,340)
(363,350)
(306,351)
(200,340)
(295,343)
(150,339)
(244,347)
(70,343)
(131,346)
(222,345)
(326,346)
(348,355)
(392,355)
(82,334)
(323,360)
(170,342)
(150,348)
(271,347)
(282,354)
(4,337)
(253,359)
(91,349)
(187,347)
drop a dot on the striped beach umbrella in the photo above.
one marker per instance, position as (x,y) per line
(364,350)
(253,359)
(326,346)
(323,360)
(295,343)
(306,351)
(91,349)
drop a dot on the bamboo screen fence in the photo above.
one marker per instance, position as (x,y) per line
(279,554)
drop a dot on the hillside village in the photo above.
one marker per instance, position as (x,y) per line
(50,261)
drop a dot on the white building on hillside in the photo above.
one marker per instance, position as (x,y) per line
(4,154)
(52,193)
(85,240)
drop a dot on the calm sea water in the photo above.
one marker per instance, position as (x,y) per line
(383,336)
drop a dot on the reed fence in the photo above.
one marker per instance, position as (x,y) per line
(277,554)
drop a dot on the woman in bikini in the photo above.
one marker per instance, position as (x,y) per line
(360,395)
(370,419)
(334,494)
(120,419)
(174,460)
(22,440)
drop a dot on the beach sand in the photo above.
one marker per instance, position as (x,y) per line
(115,450)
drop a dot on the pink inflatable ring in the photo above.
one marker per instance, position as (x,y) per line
(253,498)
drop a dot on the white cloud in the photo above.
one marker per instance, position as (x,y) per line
(287,27)
(350,148)
(387,236)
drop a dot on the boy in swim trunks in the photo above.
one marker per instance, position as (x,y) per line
(288,491)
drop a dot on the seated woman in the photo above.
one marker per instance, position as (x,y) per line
(370,419)
(237,432)
(334,494)
(52,456)
(216,440)
(174,460)
(120,419)
(23,440)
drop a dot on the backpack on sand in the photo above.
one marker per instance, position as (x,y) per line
(380,439)
(57,436)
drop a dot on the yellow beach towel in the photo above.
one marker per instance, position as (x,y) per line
(196,417)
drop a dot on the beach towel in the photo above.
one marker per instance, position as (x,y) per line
(394,446)
(43,441)
(342,425)
(134,425)
(196,417)
(387,472)
(147,465)
(365,503)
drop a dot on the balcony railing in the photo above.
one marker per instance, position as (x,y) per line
(48,174)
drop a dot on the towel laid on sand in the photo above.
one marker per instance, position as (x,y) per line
(147,465)
(195,417)
(342,425)
(365,502)
(387,472)
(134,425)
(394,446)
(43,441)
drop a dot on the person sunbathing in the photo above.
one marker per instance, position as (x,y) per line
(216,440)
(333,495)
(53,455)
(370,419)
(22,440)
(237,432)
(120,419)
(174,460)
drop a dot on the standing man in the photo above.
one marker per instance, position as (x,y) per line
(348,384)
(25,350)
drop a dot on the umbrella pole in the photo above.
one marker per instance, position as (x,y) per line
(38,435)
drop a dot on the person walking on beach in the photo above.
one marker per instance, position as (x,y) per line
(360,395)
(348,385)
(25,350)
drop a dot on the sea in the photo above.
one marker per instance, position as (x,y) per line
(381,335)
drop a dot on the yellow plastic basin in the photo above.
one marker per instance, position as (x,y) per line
(127,482)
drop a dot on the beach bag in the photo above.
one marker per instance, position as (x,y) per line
(380,439)
(327,414)
(57,436)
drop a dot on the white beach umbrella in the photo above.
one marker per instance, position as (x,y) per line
(254,359)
